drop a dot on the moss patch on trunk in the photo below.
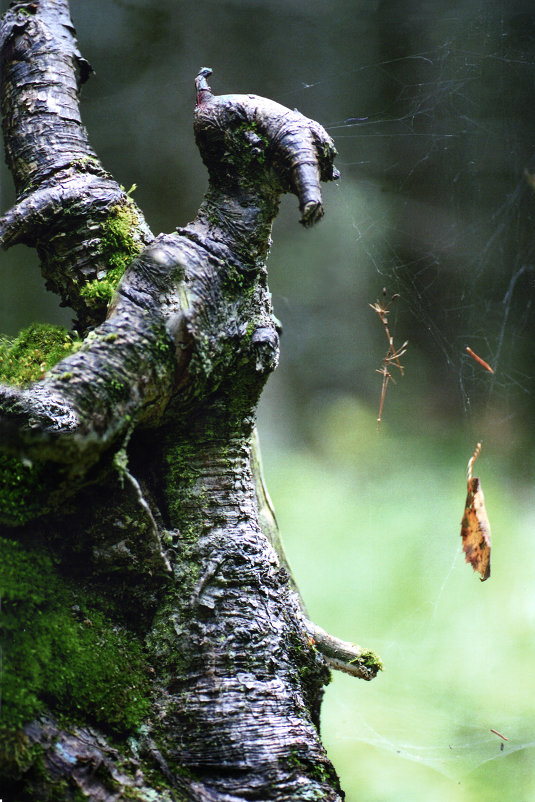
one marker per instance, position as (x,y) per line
(63,652)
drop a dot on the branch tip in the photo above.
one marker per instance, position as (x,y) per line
(311,213)
(344,656)
(204,93)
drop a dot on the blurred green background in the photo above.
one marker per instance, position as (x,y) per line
(432,107)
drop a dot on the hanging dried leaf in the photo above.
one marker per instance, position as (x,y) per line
(475,527)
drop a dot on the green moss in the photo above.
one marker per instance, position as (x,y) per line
(118,390)
(118,248)
(120,463)
(25,489)
(316,771)
(62,651)
(17,753)
(239,282)
(181,482)
(27,357)
(85,163)
(247,147)
(370,659)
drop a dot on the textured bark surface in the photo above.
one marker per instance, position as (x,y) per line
(64,195)
(135,475)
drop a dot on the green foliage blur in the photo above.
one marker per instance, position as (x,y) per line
(432,109)
(371,523)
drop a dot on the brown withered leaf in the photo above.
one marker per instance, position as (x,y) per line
(475,527)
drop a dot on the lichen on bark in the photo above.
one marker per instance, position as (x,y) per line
(152,518)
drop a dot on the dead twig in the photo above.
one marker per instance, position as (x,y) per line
(393,354)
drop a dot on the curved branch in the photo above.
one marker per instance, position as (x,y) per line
(169,328)
(64,196)
(122,376)
(299,149)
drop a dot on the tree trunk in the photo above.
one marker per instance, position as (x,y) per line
(155,646)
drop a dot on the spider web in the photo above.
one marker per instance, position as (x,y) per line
(436,203)
(464,279)
(437,189)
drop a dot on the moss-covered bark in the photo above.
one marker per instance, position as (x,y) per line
(165,649)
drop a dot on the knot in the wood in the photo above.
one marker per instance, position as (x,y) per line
(265,342)
(249,143)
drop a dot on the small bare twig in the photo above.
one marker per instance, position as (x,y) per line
(392,355)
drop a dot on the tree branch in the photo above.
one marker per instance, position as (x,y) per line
(154,345)
(66,200)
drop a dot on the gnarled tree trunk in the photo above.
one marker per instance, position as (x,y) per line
(155,645)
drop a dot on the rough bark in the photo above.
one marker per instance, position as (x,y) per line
(131,474)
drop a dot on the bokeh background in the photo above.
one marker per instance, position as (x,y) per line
(432,107)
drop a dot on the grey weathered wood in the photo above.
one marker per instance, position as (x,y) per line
(170,374)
